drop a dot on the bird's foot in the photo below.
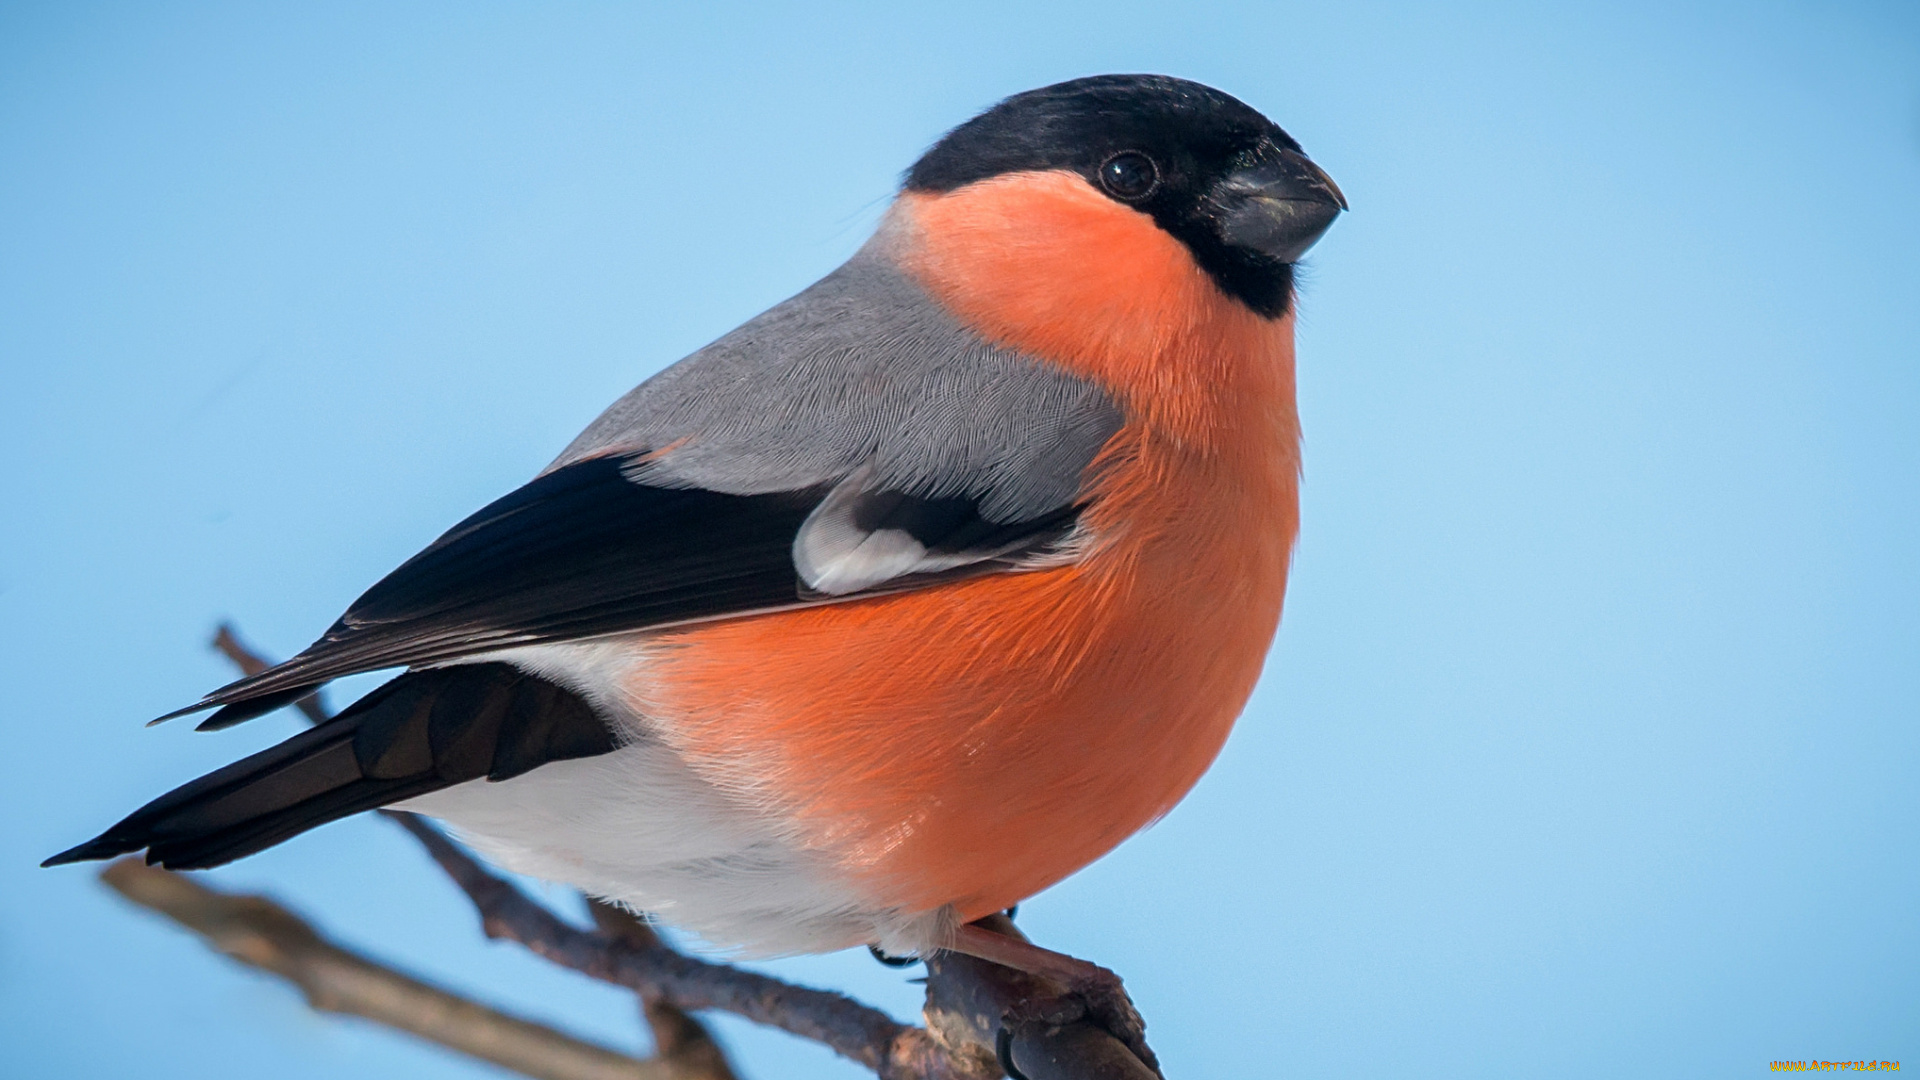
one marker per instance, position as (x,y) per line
(1088,990)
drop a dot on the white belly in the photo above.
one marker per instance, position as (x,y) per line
(640,828)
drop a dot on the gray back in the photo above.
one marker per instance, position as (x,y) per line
(864,369)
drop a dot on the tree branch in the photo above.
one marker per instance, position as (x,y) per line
(261,934)
(855,1031)
(677,1036)
(979,1014)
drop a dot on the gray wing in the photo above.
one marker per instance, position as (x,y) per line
(852,440)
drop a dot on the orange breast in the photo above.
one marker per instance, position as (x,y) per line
(972,744)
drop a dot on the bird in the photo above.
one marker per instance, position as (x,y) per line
(888,609)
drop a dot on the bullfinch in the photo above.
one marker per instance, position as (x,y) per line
(895,605)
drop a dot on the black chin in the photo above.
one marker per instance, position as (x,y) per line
(1261,282)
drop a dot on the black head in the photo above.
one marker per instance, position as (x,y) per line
(1225,180)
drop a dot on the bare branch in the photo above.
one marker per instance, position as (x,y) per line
(855,1031)
(677,1037)
(655,971)
(262,934)
(978,1013)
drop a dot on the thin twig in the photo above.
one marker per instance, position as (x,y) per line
(977,1012)
(656,971)
(677,1036)
(262,934)
(855,1031)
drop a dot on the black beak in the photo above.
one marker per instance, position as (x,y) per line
(1278,207)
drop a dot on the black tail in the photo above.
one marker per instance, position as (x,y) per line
(421,732)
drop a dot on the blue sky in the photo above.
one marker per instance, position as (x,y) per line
(1589,743)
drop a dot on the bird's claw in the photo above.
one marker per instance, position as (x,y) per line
(1095,996)
(1109,1006)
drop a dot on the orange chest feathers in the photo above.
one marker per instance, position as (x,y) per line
(972,744)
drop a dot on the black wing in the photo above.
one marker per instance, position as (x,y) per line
(588,550)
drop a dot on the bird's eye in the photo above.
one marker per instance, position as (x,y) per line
(1129,175)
